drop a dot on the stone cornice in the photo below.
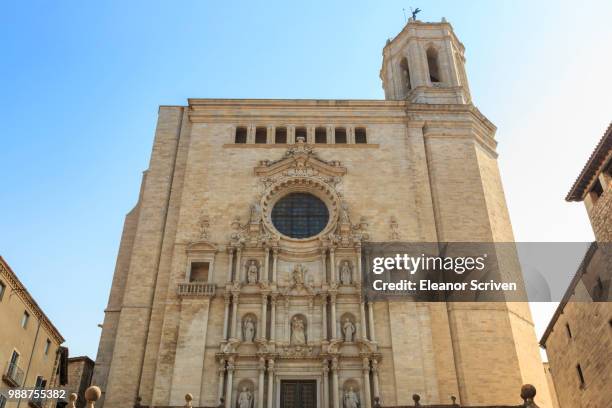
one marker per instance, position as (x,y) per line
(21,291)
(296,111)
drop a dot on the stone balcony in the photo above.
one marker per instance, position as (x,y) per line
(13,376)
(196,289)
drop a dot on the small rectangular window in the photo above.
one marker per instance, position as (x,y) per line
(569,331)
(47,346)
(280,136)
(580,375)
(340,135)
(261,135)
(360,135)
(320,135)
(241,135)
(39,382)
(300,132)
(2,401)
(597,190)
(24,319)
(199,272)
(2,289)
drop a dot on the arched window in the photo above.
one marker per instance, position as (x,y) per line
(281,135)
(320,135)
(261,135)
(340,134)
(432,63)
(360,135)
(405,72)
(241,135)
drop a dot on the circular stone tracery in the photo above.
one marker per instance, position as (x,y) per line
(309,186)
(300,215)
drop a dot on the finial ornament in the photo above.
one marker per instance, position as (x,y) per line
(528,393)
(414,13)
(92,394)
(72,400)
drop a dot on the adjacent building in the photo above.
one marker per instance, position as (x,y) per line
(80,372)
(30,349)
(238,273)
(578,340)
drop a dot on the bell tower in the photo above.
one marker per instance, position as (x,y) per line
(425,63)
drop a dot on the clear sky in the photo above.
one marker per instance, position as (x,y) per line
(81,83)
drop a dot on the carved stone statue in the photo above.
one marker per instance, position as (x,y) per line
(245,398)
(252,272)
(350,399)
(345,273)
(298,274)
(255,217)
(348,329)
(344,214)
(298,331)
(248,327)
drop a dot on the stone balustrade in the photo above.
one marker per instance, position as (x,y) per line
(196,289)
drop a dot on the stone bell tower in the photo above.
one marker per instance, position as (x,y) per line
(425,63)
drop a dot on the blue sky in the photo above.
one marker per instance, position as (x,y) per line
(81,83)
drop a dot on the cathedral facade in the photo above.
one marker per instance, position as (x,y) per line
(239,271)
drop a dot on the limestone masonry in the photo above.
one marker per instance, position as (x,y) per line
(238,274)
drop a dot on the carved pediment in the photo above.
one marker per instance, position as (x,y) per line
(202,246)
(300,160)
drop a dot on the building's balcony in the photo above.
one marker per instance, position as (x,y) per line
(196,289)
(37,402)
(13,376)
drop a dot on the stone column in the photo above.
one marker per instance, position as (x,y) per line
(228,386)
(273,318)
(324,317)
(274,259)
(375,378)
(262,320)
(333,315)
(362,314)
(230,263)
(238,274)
(366,383)
(226,315)
(336,401)
(358,276)
(371,319)
(325,384)
(261,384)
(270,382)
(234,315)
(332,265)
(324,263)
(221,371)
(263,275)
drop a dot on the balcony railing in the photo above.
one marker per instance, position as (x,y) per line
(196,289)
(37,402)
(13,375)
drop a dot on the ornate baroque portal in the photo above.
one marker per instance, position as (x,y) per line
(299,257)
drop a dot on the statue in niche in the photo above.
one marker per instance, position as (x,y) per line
(248,328)
(345,273)
(344,214)
(298,274)
(252,272)
(255,217)
(245,398)
(348,329)
(350,399)
(298,331)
